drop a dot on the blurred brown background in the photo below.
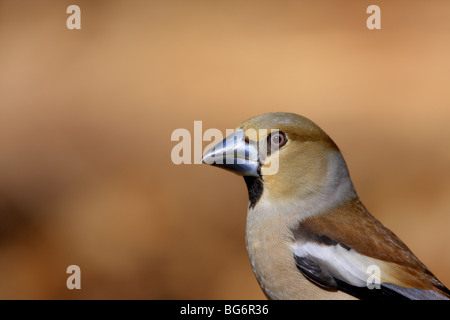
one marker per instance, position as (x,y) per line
(86,118)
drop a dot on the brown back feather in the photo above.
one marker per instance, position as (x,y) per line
(348,222)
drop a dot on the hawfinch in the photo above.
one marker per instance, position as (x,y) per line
(308,235)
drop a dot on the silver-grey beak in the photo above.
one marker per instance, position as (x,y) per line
(234,154)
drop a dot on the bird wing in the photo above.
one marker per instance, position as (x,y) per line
(349,250)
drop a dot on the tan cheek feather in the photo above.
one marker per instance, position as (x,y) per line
(302,168)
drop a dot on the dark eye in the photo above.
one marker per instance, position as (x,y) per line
(278,139)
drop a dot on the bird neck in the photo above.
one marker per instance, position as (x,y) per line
(334,189)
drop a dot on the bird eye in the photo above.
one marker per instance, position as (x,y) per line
(278,139)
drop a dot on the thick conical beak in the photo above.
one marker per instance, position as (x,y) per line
(235,154)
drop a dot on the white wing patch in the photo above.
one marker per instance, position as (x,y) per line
(342,263)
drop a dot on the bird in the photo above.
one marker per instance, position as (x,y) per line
(308,234)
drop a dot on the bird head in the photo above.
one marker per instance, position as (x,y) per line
(282,155)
